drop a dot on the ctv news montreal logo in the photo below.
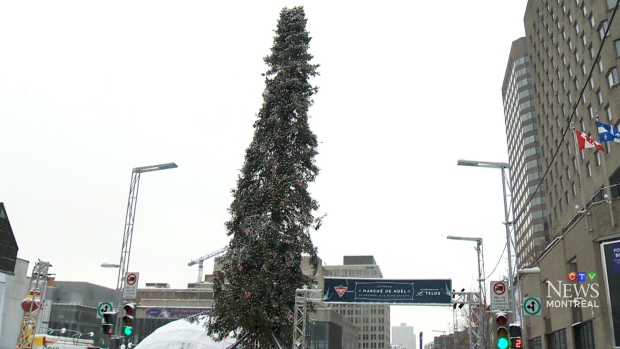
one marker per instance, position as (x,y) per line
(578,292)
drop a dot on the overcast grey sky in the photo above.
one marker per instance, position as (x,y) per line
(90,90)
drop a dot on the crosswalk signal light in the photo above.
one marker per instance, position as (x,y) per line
(501,321)
(109,317)
(130,310)
(516,342)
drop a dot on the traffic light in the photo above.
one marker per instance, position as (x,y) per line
(109,317)
(501,321)
(130,309)
(516,342)
(455,302)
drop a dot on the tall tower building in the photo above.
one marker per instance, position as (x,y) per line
(572,50)
(372,320)
(526,172)
(403,335)
(572,84)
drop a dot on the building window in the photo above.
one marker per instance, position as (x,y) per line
(584,335)
(589,170)
(612,77)
(557,339)
(602,29)
(617,44)
(609,114)
(600,66)
(599,96)
(611,3)
(574,190)
(598,158)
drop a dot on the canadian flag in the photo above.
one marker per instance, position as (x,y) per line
(585,141)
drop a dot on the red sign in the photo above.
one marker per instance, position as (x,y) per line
(341,290)
(131,279)
(499,288)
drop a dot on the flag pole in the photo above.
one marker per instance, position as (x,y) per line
(578,154)
(607,185)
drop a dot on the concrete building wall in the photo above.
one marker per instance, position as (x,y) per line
(572,86)
(13,289)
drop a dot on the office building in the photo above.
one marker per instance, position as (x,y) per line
(14,284)
(565,71)
(74,307)
(372,320)
(13,289)
(403,335)
(528,195)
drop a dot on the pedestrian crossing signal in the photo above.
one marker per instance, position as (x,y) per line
(109,318)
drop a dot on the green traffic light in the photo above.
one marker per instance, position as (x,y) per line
(503,343)
(127,330)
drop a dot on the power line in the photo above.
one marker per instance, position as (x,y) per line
(500,259)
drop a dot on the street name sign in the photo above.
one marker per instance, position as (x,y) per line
(499,295)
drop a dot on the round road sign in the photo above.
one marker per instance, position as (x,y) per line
(499,288)
(532,306)
(131,279)
(104,307)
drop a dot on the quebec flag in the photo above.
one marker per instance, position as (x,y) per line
(607,133)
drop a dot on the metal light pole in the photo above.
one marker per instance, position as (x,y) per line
(502,166)
(123,266)
(481,292)
(520,273)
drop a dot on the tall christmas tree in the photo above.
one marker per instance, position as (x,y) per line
(272,212)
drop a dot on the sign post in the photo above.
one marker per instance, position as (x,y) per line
(499,296)
(131,286)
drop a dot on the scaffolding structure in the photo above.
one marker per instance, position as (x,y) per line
(33,305)
(303,297)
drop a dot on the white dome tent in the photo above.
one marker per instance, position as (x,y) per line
(183,334)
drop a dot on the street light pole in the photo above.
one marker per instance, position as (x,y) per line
(502,166)
(128,234)
(481,340)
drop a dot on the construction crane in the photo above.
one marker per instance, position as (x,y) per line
(200,261)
